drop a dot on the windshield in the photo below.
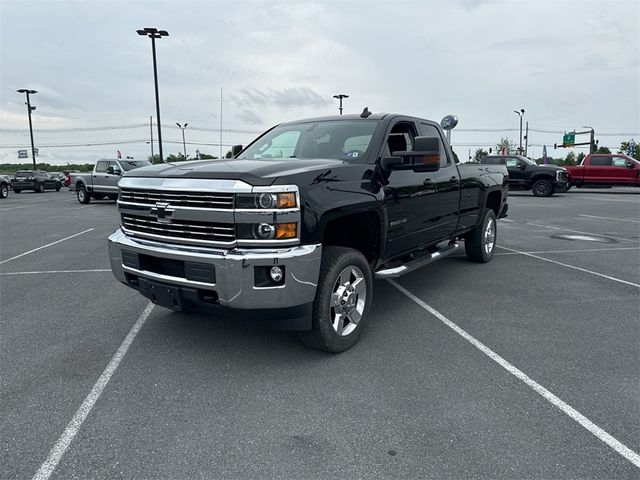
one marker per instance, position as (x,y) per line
(340,139)
(23,174)
(527,160)
(131,164)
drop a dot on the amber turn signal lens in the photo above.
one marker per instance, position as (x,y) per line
(286,200)
(286,230)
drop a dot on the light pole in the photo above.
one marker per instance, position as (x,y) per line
(29,110)
(154,33)
(520,114)
(184,145)
(592,140)
(340,96)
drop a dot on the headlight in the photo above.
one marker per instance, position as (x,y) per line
(267,231)
(267,201)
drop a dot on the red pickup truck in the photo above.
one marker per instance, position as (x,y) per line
(614,169)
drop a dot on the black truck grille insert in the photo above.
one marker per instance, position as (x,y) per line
(178,199)
(188,231)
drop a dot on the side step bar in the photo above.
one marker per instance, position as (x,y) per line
(417,263)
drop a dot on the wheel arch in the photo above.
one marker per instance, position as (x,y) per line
(361,231)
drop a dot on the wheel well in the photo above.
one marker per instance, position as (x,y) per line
(360,231)
(494,200)
(541,176)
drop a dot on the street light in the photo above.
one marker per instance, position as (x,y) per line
(340,97)
(29,110)
(184,145)
(520,114)
(592,141)
(154,33)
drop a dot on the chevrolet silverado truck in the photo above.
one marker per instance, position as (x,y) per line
(294,228)
(103,180)
(525,174)
(607,170)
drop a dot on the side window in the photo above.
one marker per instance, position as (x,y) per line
(493,160)
(600,161)
(432,131)
(400,138)
(113,165)
(619,162)
(101,167)
(511,162)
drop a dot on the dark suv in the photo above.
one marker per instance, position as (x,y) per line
(525,174)
(35,180)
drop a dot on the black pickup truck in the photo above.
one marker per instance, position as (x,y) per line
(294,228)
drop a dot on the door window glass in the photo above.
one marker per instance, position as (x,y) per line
(512,162)
(619,162)
(601,161)
(101,167)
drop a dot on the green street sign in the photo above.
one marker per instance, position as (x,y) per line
(569,139)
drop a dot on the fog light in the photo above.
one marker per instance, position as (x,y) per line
(276,274)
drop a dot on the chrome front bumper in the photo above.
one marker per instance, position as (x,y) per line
(234,283)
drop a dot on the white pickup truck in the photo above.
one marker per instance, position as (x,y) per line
(103,181)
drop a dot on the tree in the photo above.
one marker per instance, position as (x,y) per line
(176,158)
(479,154)
(635,153)
(206,156)
(604,150)
(154,158)
(505,146)
(570,160)
(579,158)
(229,154)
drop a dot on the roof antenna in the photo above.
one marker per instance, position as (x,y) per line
(365,113)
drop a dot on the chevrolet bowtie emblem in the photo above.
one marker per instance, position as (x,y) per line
(163,212)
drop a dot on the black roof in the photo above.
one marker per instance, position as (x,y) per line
(355,116)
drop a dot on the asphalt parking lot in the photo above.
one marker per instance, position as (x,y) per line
(557,311)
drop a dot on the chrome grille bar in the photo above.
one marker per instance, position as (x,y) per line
(178,199)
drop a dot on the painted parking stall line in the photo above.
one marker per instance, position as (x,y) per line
(598,432)
(609,218)
(55,271)
(61,446)
(47,245)
(580,269)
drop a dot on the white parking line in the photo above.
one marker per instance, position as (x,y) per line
(45,246)
(584,233)
(61,446)
(609,218)
(13,208)
(598,432)
(56,271)
(572,251)
(608,277)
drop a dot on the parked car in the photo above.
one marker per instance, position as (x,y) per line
(525,174)
(58,176)
(608,170)
(4,186)
(103,181)
(294,228)
(36,180)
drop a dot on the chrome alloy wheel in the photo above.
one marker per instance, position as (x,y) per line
(348,299)
(489,236)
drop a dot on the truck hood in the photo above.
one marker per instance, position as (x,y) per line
(253,172)
(552,167)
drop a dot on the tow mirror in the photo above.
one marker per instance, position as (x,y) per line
(425,157)
(235,150)
(630,165)
(521,166)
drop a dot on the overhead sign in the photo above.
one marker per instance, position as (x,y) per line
(23,154)
(569,139)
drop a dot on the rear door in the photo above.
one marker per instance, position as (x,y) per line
(598,170)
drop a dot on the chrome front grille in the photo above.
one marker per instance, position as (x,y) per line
(177,198)
(182,231)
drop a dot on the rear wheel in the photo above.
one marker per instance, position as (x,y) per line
(343,299)
(481,242)
(83,195)
(542,188)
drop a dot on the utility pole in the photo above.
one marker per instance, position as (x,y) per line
(154,33)
(29,110)
(340,96)
(526,140)
(151,133)
(220,122)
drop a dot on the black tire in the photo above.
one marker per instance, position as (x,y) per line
(82,195)
(4,190)
(542,188)
(338,264)
(480,243)
(40,188)
(58,188)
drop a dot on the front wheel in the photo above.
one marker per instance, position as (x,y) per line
(542,188)
(4,190)
(343,300)
(40,188)
(480,243)
(83,195)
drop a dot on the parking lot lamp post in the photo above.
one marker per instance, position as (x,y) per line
(184,144)
(154,33)
(520,114)
(340,96)
(29,110)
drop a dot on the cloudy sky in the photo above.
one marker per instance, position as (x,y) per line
(567,63)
